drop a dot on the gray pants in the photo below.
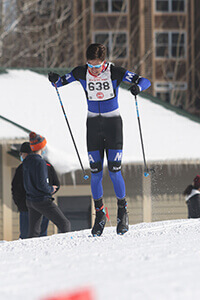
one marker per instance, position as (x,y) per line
(51,211)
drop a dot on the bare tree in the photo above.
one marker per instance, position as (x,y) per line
(55,33)
(37,33)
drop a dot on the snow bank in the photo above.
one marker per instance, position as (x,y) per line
(152,261)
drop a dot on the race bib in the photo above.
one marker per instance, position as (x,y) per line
(99,88)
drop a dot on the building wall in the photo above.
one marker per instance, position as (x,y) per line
(174,79)
(154,198)
(170,76)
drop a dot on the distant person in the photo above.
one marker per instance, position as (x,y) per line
(19,193)
(192,193)
(39,191)
(100,80)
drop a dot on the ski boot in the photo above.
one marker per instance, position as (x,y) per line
(122,219)
(100,222)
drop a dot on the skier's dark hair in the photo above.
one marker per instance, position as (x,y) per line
(188,190)
(96,51)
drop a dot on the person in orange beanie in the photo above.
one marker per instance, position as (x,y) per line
(38,191)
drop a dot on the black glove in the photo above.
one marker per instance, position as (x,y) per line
(135,79)
(53,77)
(134,89)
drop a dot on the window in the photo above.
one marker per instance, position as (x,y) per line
(162,45)
(164,90)
(170,5)
(177,45)
(100,6)
(170,44)
(116,43)
(162,5)
(109,6)
(118,6)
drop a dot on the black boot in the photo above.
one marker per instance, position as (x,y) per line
(122,217)
(100,220)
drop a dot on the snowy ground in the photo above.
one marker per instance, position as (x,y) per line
(158,260)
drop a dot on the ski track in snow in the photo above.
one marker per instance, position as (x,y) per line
(159,260)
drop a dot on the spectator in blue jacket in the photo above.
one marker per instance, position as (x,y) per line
(38,190)
(19,193)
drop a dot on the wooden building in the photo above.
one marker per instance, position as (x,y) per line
(158,39)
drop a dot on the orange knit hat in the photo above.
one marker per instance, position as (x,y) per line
(37,142)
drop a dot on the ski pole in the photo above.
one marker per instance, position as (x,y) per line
(146,170)
(84,173)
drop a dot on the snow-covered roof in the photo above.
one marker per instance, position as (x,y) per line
(28,99)
(10,130)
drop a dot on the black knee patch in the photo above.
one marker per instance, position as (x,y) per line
(96,167)
(114,166)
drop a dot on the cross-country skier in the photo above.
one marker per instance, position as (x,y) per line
(100,81)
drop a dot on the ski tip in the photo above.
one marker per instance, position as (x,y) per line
(86,177)
(146,174)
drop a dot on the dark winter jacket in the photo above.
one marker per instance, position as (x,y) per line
(36,180)
(193,204)
(18,190)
